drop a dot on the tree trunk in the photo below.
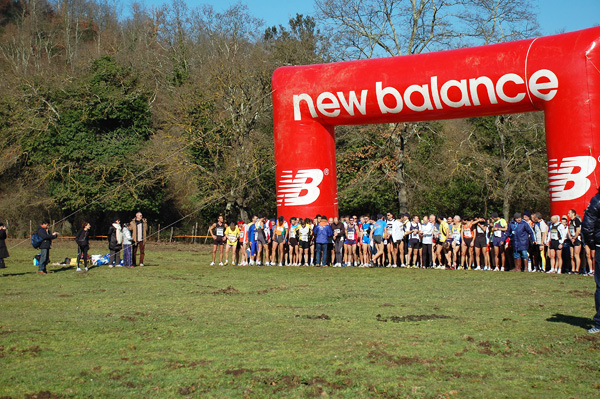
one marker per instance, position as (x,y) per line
(244,215)
(399,177)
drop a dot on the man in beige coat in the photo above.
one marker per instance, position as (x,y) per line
(139,232)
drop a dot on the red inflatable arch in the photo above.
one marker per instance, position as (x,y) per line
(557,74)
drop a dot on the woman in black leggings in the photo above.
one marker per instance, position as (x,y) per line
(83,243)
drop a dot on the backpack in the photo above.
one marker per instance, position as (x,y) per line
(36,240)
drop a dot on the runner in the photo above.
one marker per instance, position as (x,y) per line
(313,238)
(498,230)
(398,242)
(468,235)
(243,243)
(232,233)
(480,242)
(280,230)
(261,239)
(253,242)
(293,248)
(414,242)
(304,233)
(574,240)
(379,231)
(350,243)
(456,240)
(389,242)
(443,244)
(540,228)
(555,240)
(365,235)
(339,235)
(217,231)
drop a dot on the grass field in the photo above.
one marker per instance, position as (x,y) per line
(180,328)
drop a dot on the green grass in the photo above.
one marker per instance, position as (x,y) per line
(174,329)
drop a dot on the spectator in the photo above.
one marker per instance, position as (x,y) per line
(521,235)
(127,241)
(139,232)
(115,243)
(45,246)
(3,249)
(591,232)
(83,245)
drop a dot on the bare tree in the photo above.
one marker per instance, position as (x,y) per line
(374,28)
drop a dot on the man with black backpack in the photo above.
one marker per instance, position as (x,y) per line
(45,246)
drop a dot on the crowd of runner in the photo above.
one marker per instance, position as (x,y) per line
(527,242)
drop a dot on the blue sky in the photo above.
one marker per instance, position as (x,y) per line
(554,15)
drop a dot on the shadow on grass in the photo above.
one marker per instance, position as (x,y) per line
(583,322)
(17,274)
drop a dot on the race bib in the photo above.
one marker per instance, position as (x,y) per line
(292,233)
(456,236)
(303,237)
(220,231)
(554,235)
(232,238)
(351,235)
(498,233)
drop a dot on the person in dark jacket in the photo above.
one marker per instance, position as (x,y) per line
(3,250)
(45,246)
(521,235)
(83,244)
(115,242)
(591,234)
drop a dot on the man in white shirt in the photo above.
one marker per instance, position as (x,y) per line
(427,240)
(398,241)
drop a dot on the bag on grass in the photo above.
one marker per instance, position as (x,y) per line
(103,260)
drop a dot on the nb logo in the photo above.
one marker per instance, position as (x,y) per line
(301,189)
(569,177)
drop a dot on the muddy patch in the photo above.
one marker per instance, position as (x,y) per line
(318,386)
(322,316)
(581,293)
(493,349)
(187,390)
(65,296)
(380,356)
(42,395)
(238,372)
(227,291)
(411,318)
(592,340)
(273,289)
(190,365)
